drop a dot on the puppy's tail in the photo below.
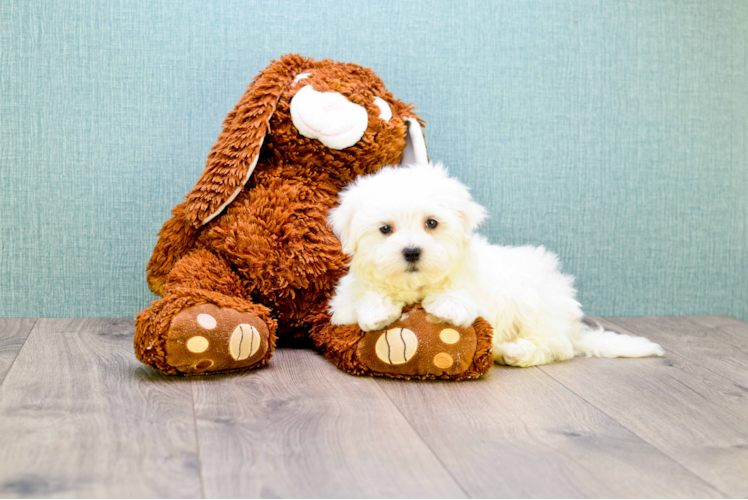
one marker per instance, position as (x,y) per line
(596,341)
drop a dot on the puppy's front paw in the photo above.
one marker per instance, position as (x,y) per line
(342,315)
(377,312)
(452,309)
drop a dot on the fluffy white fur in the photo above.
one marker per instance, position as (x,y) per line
(459,275)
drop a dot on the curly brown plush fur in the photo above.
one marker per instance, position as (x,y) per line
(252,234)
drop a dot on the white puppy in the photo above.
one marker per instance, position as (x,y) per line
(410,232)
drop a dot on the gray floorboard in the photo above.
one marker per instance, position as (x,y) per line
(80,417)
(718,343)
(517,432)
(688,412)
(303,428)
(13,333)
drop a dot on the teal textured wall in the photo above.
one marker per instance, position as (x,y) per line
(614,133)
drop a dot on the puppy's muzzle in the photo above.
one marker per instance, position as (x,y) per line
(412,254)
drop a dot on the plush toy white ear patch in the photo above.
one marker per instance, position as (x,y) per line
(301,76)
(328,117)
(386,111)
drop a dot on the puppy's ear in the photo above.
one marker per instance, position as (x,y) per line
(340,219)
(234,156)
(472,215)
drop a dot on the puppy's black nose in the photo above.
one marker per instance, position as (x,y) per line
(412,254)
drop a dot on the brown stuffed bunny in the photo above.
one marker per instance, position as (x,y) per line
(248,257)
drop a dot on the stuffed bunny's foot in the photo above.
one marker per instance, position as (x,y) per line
(419,344)
(416,345)
(207,338)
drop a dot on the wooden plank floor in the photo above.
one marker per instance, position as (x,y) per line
(80,417)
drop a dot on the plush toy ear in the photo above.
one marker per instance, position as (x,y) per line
(234,156)
(415,144)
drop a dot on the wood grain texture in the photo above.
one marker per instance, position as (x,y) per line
(688,412)
(13,333)
(303,428)
(518,433)
(80,417)
(718,343)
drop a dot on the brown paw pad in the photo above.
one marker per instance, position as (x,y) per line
(418,344)
(208,338)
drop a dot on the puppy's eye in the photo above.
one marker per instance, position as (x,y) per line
(386,229)
(386,112)
(431,224)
